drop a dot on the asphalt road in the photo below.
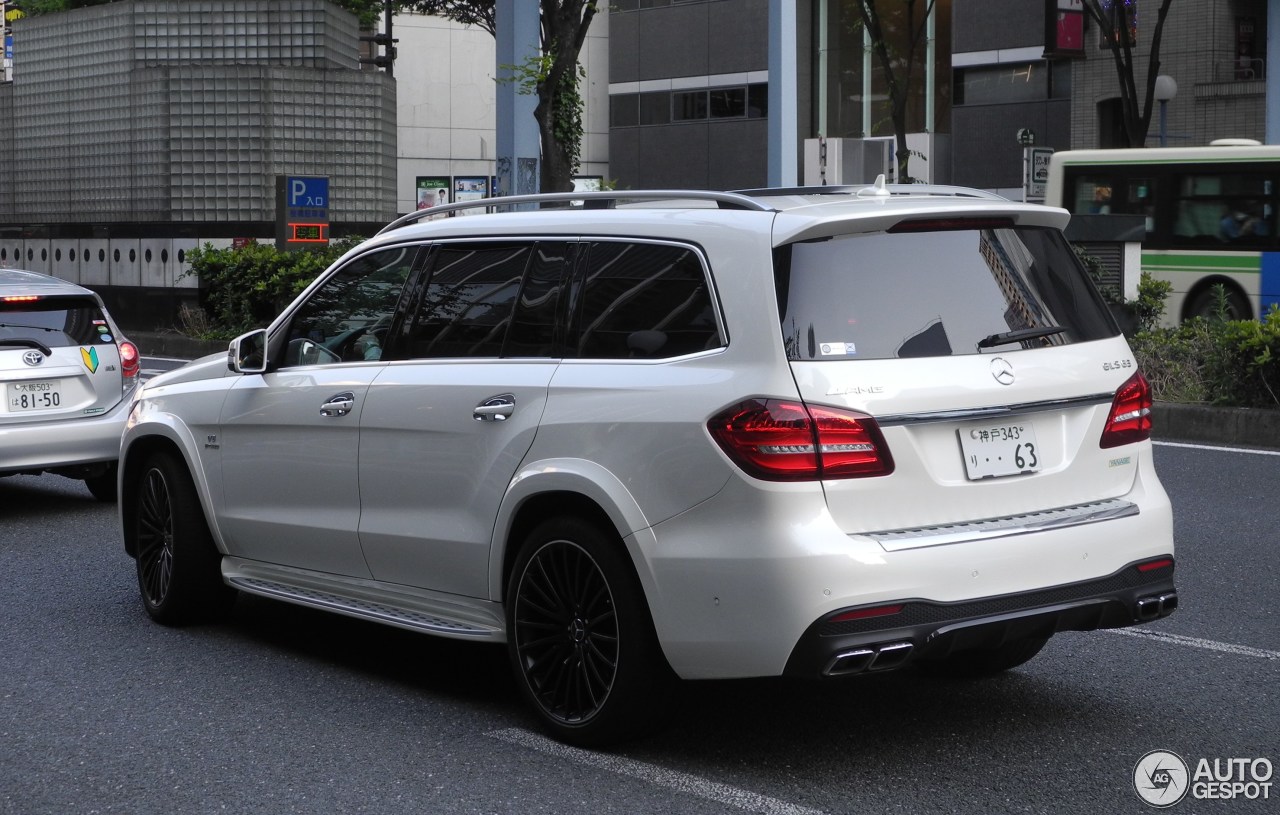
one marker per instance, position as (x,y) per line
(285,710)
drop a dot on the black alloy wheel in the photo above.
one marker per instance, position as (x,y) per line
(178,564)
(580,636)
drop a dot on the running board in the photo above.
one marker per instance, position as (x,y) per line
(400,606)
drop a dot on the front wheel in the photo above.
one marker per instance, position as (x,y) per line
(580,636)
(179,572)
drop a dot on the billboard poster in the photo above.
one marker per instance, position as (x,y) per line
(470,188)
(433,190)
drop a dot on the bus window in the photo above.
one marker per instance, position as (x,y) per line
(1223,208)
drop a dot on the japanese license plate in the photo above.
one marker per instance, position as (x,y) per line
(34,396)
(994,450)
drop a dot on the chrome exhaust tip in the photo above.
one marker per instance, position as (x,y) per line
(872,658)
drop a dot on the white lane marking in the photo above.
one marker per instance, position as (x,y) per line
(1248,450)
(1193,642)
(671,779)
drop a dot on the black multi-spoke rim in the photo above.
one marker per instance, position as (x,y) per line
(155,537)
(566,632)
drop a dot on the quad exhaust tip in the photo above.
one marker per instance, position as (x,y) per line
(1155,607)
(882,657)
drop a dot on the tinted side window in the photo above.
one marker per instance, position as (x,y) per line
(645,300)
(346,319)
(469,300)
(929,294)
(538,308)
(54,322)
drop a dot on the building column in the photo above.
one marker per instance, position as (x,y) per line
(783,141)
(519,144)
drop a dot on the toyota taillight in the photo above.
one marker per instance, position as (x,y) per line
(1130,417)
(130,363)
(779,440)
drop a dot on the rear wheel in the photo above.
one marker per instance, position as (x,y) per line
(178,565)
(1205,303)
(986,661)
(103,485)
(580,636)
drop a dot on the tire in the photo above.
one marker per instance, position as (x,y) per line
(179,572)
(986,661)
(103,485)
(581,639)
(1205,304)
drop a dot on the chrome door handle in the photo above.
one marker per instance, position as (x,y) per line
(339,404)
(495,408)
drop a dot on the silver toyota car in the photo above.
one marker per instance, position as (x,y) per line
(67,374)
(814,433)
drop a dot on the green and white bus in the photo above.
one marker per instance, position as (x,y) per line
(1210,217)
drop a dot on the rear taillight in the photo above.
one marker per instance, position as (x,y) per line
(130,363)
(778,440)
(1130,417)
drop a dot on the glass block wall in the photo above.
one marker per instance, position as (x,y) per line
(163,110)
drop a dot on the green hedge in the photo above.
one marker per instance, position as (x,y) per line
(245,288)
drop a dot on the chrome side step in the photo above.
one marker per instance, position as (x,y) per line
(400,606)
(1095,512)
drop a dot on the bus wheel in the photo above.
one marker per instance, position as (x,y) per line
(1204,303)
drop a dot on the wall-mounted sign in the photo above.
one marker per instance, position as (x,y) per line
(302,211)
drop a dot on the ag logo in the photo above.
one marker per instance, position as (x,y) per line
(1161,779)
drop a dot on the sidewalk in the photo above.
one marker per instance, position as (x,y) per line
(1244,427)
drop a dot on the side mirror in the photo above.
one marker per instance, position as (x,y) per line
(247,353)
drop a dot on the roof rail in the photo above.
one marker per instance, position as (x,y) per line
(870,189)
(589,200)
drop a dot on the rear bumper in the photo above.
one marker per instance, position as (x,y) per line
(922,630)
(33,447)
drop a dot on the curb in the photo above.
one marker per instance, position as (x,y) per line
(174,345)
(1252,427)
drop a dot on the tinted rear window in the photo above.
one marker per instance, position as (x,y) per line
(55,322)
(926,294)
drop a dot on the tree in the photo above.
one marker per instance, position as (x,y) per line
(897,29)
(553,76)
(1117,22)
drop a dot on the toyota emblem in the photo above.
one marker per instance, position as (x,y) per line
(1002,370)
(33,357)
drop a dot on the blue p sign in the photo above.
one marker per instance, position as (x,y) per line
(308,192)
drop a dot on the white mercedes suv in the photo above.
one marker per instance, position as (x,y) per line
(671,434)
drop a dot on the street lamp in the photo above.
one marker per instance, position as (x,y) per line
(1166,89)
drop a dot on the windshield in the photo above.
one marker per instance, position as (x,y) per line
(925,294)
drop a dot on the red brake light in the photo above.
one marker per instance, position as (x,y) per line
(866,613)
(777,440)
(1130,417)
(130,360)
(23,298)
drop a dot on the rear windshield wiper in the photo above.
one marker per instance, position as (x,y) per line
(26,343)
(1006,337)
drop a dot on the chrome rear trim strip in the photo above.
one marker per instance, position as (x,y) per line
(993,412)
(1096,512)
